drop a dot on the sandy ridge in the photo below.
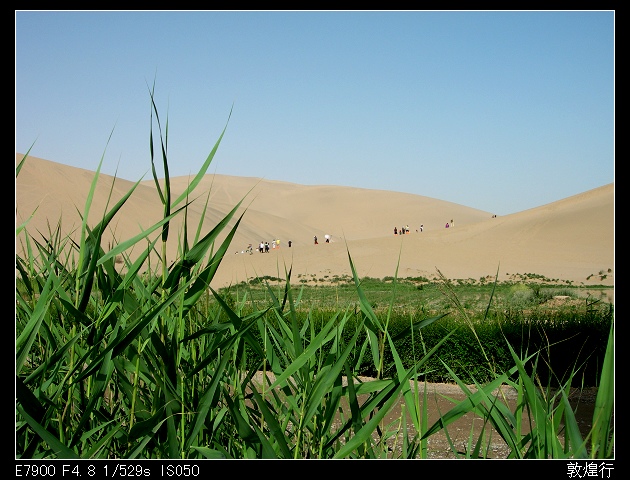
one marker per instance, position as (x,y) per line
(570,240)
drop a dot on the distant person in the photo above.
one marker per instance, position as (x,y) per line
(447,225)
(452,223)
(327,237)
(395,231)
(261,247)
(278,243)
(315,239)
(289,242)
(266,247)
(421,227)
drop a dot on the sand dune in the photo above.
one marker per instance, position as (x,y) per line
(570,240)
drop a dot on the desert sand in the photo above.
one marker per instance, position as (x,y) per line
(569,240)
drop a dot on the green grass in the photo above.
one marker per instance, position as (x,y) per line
(115,363)
(526,315)
(414,294)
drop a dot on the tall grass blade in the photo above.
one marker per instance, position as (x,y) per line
(30,333)
(59,450)
(204,168)
(602,430)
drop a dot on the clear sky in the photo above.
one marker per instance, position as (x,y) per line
(497,110)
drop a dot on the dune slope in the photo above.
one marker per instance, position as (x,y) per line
(570,240)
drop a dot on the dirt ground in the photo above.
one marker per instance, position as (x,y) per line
(442,397)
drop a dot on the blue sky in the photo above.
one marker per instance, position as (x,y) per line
(497,110)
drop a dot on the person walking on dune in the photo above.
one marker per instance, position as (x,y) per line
(315,239)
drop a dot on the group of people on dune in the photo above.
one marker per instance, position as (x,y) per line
(405,229)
